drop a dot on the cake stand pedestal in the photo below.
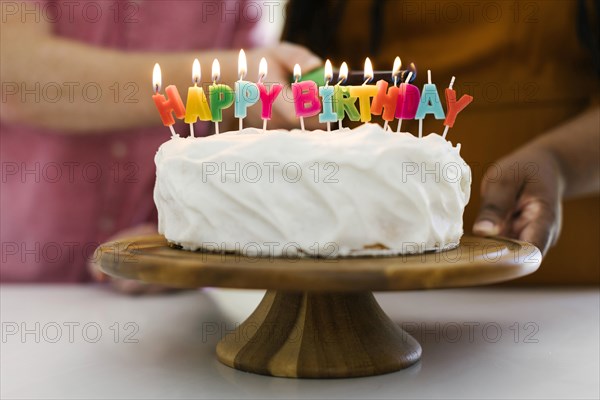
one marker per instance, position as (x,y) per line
(319,318)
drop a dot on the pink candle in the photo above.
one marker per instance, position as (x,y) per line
(266,97)
(408,101)
(306,97)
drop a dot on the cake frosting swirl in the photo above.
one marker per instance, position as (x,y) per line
(355,192)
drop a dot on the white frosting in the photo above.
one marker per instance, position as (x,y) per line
(329,194)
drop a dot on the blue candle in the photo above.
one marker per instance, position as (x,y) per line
(246,93)
(326,92)
(430,103)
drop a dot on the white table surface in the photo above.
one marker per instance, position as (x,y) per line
(174,356)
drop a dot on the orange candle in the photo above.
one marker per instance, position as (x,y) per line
(165,107)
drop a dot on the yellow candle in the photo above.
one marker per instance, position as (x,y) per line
(197,104)
(365,93)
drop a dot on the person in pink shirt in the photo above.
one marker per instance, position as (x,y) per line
(78,128)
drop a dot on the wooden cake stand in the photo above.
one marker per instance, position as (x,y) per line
(319,318)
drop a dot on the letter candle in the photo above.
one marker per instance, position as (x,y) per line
(344,102)
(386,100)
(343,75)
(404,97)
(306,99)
(246,93)
(430,103)
(266,98)
(454,107)
(365,92)
(221,96)
(326,93)
(196,105)
(166,107)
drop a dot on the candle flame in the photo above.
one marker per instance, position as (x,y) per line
(396,68)
(156,78)
(242,64)
(297,72)
(343,75)
(368,74)
(328,72)
(262,69)
(196,72)
(411,71)
(216,70)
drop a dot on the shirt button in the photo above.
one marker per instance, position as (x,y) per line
(118,149)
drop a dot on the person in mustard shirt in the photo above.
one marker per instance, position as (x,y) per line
(533,68)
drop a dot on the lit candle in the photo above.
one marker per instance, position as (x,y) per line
(221,96)
(344,103)
(306,99)
(166,107)
(385,101)
(365,92)
(246,93)
(430,103)
(408,101)
(454,107)
(326,93)
(266,97)
(196,105)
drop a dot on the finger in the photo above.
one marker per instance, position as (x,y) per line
(539,220)
(289,54)
(539,232)
(498,200)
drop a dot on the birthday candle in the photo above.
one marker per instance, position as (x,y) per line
(306,100)
(266,97)
(167,107)
(408,101)
(326,93)
(344,103)
(365,92)
(221,96)
(246,93)
(430,103)
(454,107)
(385,101)
(196,105)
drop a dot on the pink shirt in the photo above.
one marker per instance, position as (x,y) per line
(61,195)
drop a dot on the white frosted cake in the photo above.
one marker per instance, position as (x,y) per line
(355,192)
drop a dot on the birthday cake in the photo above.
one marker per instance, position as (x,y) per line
(349,192)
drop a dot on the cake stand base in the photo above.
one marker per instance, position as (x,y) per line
(318,335)
(319,318)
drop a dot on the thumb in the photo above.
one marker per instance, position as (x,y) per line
(289,54)
(498,200)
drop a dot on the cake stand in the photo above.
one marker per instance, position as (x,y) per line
(319,318)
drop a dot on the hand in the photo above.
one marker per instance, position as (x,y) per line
(521,198)
(128,286)
(281,60)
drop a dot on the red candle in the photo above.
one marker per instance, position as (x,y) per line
(453,106)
